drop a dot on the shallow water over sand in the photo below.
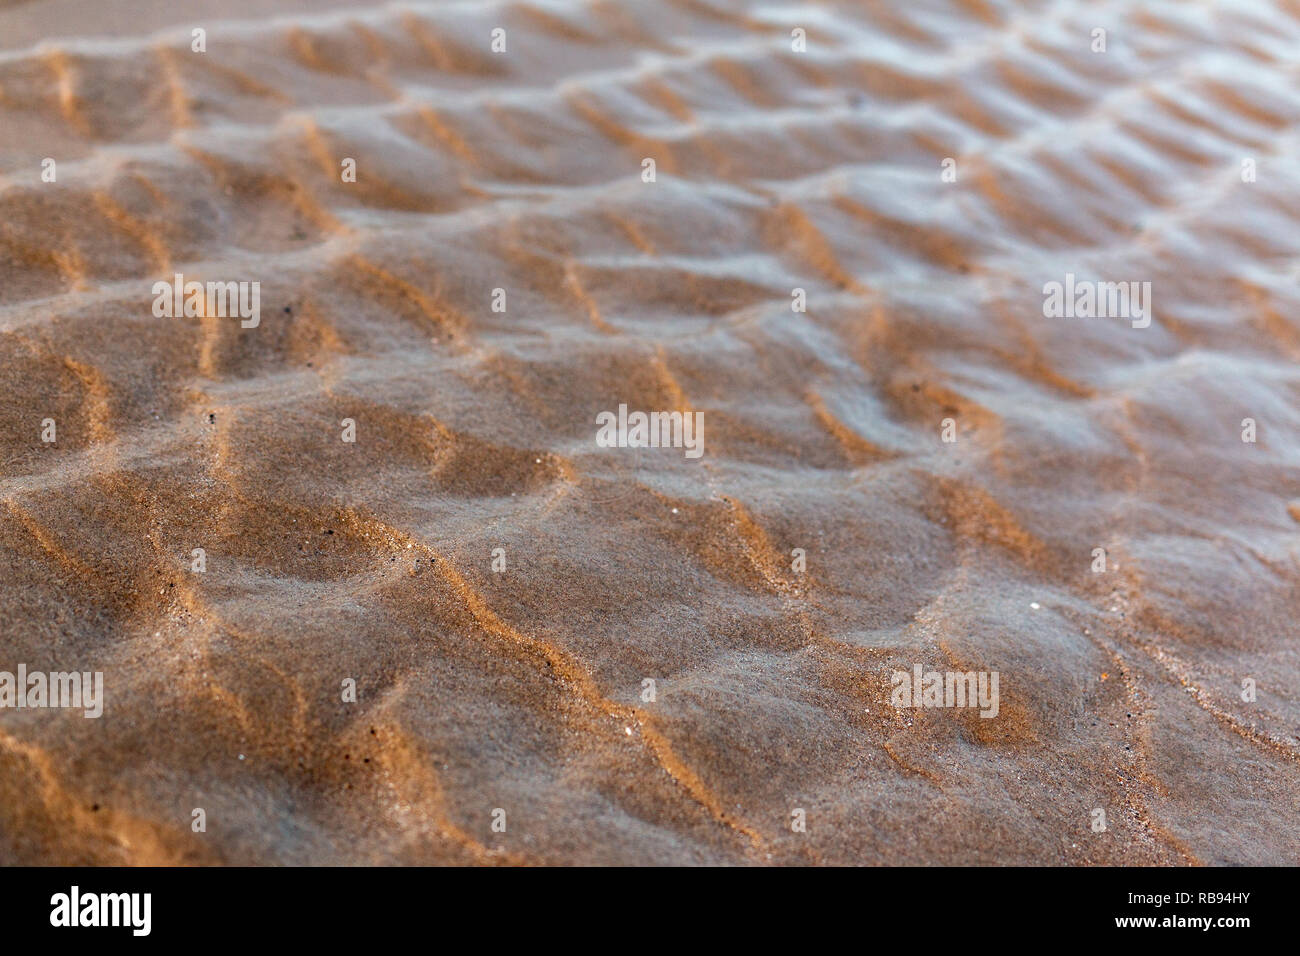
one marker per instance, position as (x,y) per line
(776,170)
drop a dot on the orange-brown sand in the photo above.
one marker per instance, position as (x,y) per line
(523,690)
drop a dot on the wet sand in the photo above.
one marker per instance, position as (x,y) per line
(523,690)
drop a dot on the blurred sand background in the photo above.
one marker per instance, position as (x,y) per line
(776,170)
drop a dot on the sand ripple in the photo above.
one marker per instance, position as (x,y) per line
(776,170)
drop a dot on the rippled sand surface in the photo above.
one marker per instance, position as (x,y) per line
(522,691)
